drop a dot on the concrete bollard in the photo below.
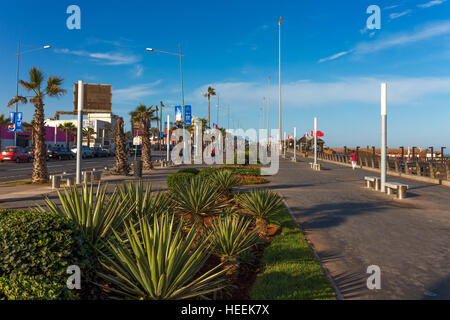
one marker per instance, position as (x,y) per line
(56,182)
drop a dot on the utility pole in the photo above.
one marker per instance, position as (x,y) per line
(315,141)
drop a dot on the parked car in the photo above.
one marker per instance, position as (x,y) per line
(86,152)
(100,152)
(60,153)
(30,151)
(17,154)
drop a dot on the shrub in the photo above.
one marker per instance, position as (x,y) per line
(244,171)
(198,199)
(261,204)
(36,249)
(207,172)
(146,203)
(177,178)
(25,287)
(230,237)
(224,180)
(95,213)
(189,170)
(159,261)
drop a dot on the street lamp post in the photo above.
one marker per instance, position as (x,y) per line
(279,78)
(383,135)
(179,54)
(17,82)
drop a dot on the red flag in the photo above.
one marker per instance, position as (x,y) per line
(319,133)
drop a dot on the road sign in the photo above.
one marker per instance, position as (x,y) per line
(137,141)
(178,114)
(188,115)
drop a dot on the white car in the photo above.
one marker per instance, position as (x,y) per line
(86,152)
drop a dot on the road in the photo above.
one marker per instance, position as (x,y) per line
(11,171)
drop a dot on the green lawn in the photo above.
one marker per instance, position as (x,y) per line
(290,270)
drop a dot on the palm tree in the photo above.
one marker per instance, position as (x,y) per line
(121,157)
(142,117)
(53,89)
(88,133)
(69,129)
(211,92)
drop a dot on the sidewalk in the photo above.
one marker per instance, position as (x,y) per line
(352,227)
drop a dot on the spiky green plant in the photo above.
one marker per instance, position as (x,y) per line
(146,203)
(158,261)
(230,236)
(224,180)
(95,213)
(197,198)
(261,204)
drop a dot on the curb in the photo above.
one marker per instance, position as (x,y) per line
(311,246)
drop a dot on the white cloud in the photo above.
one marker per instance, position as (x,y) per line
(431,3)
(334,56)
(134,94)
(425,32)
(396,15)
(108,58)
(137,71)
(392,7)
(300,94)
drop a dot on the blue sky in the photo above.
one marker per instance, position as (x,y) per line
(332,66)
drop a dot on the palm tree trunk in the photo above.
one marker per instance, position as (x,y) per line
(40,172)
(146,147)
(209,111)
(121,157)
(261,225)
(67,139)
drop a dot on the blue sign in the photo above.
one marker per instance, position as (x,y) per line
(188,115)
(178,114)
(19,117)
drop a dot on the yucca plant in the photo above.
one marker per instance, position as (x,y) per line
(230,236)
(95,213)
(261,204)
(146,202)
(197,198)
(158,261)
(224,180)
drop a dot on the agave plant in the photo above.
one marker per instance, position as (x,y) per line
(95,213)
(224,180)
(229,238)
(158,261)
(261,204)
(146,204)
(197,198)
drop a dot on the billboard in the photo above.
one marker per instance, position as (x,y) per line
(97,98)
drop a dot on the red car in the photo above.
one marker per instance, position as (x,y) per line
(17,154)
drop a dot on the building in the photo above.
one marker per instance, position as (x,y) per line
(53,137)
(102,123)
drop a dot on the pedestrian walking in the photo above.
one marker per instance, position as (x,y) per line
(353,159)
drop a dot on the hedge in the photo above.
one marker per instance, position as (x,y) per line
(178,177)
(35,251)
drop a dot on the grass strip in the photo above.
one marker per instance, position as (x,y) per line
(290,270)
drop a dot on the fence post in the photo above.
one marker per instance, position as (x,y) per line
(431,167)
(397,167)
(447,167)
(418,169)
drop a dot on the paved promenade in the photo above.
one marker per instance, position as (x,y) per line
(352,228)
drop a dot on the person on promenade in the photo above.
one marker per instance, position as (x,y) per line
(353,158)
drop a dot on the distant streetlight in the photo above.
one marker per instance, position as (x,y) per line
(17,82)
(279,80)
(182,88)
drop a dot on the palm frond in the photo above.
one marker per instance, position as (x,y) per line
(18,99)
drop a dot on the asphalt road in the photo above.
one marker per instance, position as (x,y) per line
(11,171)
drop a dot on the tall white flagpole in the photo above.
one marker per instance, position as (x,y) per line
(80,130)
(383,135)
